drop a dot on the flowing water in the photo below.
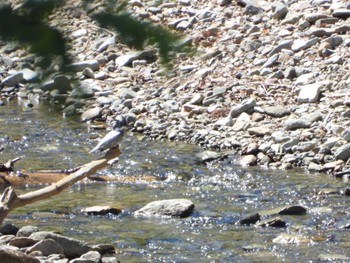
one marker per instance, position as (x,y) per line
(222,193)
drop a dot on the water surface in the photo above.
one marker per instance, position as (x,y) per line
(222,193)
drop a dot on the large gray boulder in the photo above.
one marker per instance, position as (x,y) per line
(72,247)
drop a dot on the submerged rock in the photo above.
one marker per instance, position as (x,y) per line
(285,238)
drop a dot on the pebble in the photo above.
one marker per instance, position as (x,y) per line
(268,73)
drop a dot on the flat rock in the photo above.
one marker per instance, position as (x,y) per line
(173,207)
(300,44)
(101,210)
(309,93)
(294,124)
(276,111)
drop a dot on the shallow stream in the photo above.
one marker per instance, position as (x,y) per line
(222,194)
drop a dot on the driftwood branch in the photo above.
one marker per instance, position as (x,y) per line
(8,166)
(9,199)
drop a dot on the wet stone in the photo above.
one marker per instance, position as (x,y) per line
(173,207)
(293,210)
(249,220)
(275,222)
(101,210)
(208,156)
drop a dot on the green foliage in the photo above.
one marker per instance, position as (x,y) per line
(27,25)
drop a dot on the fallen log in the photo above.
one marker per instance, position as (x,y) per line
(10,200)
(49,177)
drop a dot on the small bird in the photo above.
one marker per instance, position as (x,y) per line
(112,139)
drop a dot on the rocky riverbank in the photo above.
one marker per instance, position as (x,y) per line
(269,80)
(29,244)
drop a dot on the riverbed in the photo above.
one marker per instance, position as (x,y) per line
(222,193)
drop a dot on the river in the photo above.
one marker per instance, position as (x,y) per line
(222,193)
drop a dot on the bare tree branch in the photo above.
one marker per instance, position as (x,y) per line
(9,199)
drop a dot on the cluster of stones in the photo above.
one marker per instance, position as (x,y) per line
(29,244)
(269,80)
